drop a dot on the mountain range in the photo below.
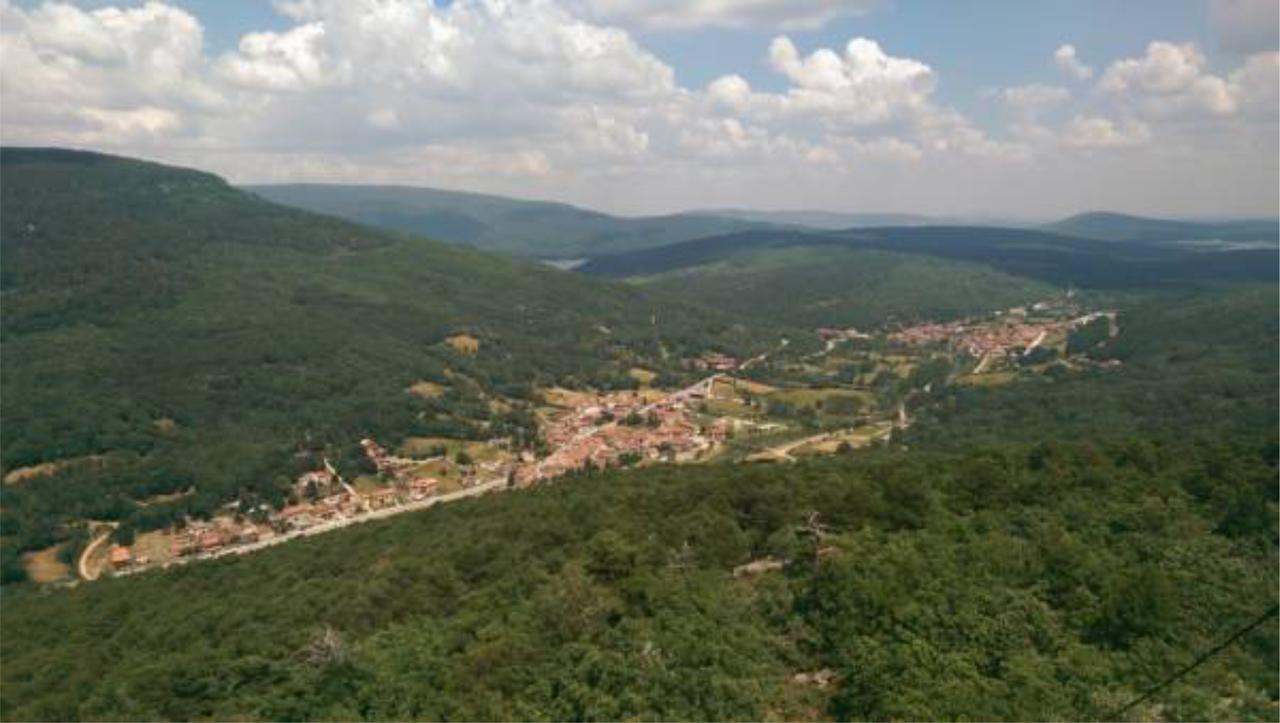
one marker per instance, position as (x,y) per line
(551,230)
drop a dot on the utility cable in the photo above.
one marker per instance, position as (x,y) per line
(1270,613)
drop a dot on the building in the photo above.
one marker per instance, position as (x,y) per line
(181,545)
(321,479)
(121,556)
(211,540)
(423,487)
(383,497)
(377,454)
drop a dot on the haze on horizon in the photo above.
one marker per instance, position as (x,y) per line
(1036,111)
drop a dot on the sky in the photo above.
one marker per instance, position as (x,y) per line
(979,108)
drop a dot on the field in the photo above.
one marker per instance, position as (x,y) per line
(427,390)
(643,376)
(365,484)
(820,396)
(43,566)
(857,437)
(46,469)
(990,379)
(152,545)
(420,447)
(463,343)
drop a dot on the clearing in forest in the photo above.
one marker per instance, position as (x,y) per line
(463,343)
(43,566)
(426,389)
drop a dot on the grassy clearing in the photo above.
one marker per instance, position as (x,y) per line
(464,343)
(162,499)
(46,469)
(991,379)
(44,566)
(423,446)
(723,389)
(752,387)
(165,425)
(811,397)
(643,376)
(730,408)
(561,397)
(365,484)
(426,389)
(857,437)
(152,545)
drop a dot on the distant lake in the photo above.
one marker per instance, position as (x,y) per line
(1223,245)
(565,264)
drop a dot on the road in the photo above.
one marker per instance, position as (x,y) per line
(81,564)
(763,355)
(382,514)
(784,449)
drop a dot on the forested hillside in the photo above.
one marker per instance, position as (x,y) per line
(1122,227)
(830,285)
(526,228)
(165,332)
(1045,551)
(863,276)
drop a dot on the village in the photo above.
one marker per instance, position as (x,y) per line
(596,430)
(1006,335)
(601,430)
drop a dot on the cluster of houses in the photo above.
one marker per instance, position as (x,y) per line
(715,362)
(614,429)
(198,537)
(828,333)
(1011,333)
(607,430)
(979,340)
(333,500)
(928,333)
(205,537)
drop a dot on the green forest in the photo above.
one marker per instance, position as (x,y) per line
(1045,552)
(187,335)
(540,229)
(1042,581)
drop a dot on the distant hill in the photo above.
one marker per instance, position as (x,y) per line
(529,228)
(202,337)
(829,220)
(867,275)
(1122,227)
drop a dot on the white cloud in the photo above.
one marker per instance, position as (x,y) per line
(731,91)
(102,76)
(1027,101)
(535,99)
(1246,26)
(687,14)
(1169,79)
(1095,132)
(1066,59)
(1256,85)
(864,85)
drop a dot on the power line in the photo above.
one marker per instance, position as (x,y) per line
(1270,613)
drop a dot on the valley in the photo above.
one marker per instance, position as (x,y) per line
(852,393)
(757,464)
(609,360)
